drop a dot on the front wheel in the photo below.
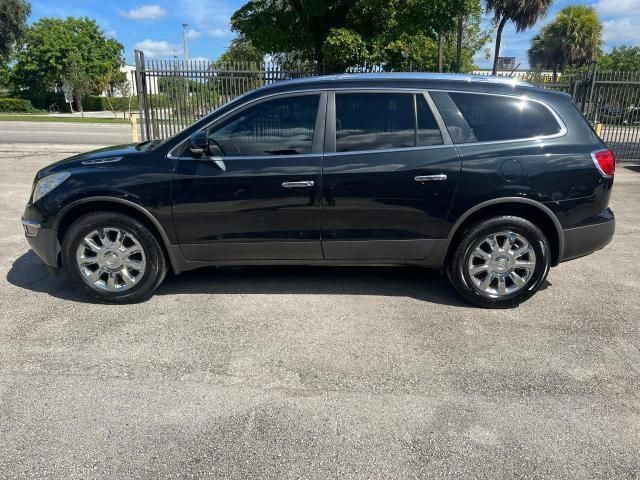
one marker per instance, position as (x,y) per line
(500,262)
(113,258)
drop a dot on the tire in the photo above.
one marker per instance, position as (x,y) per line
(116,242)
(466,267)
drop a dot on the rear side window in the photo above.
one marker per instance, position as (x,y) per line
(493,117)
(379,121)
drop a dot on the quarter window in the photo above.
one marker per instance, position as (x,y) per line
(378,121)
(493,117)
(283,126)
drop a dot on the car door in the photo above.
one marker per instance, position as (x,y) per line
(255,194)
(389,176)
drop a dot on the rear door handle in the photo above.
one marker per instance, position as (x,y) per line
(304,184)
(431,178)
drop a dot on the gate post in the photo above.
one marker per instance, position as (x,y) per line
(592,87)
(141,87)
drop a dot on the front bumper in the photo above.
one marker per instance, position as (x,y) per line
(43,241)
(582,241)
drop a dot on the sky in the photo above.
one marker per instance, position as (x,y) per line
(156,26)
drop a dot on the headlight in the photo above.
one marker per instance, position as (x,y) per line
(48,183)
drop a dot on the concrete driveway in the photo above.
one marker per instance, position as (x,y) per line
(318,372)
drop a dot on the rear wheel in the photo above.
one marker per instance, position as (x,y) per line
(500,262)
(113,258)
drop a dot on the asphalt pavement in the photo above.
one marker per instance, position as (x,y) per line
(64,133)
(310,373)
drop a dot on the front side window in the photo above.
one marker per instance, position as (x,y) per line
(283,126)
(493,117)
(379,121)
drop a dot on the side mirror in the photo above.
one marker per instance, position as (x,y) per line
(199,144)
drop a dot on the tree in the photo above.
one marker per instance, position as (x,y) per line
(623,58)
(523,13)
(337,34)
(573,38)
(77,79)
(241,50)
(13,24)
(53,47)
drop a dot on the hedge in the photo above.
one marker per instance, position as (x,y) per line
(92,103)
(15,105)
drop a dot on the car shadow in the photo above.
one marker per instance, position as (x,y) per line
(633,168)
(30,273)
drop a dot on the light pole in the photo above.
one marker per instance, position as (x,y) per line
(184,41)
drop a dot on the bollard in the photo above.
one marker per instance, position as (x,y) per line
(134,127)
(598,129)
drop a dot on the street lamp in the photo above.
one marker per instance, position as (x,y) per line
(184,41)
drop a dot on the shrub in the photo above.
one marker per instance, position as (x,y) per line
(15,105)
(92,103)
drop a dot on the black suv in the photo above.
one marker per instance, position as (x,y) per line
(488,179)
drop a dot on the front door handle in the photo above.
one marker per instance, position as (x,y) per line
(304,184)
(431,178)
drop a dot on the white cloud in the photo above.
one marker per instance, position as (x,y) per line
(145,12)
(209,16)
(619,31)
(157,48)
(617,7)
(110,33)
(193,34)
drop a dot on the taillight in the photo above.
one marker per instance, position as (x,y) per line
(605,161)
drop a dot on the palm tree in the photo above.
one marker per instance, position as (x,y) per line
(523,13)
(573,38)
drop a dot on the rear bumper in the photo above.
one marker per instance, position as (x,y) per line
(43,241)
(582,241)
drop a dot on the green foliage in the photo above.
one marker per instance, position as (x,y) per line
(344,47)
(13,24)
(334,35)
(93,103)
(241,50)
(623,58)
(54,48)
(572,39)
(15,105)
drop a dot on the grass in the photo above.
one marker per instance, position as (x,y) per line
(39,117)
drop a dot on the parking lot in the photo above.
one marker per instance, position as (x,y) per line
(317,372)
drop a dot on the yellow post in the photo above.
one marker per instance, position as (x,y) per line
(134,127)
(599,129)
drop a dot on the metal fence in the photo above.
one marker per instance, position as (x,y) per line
(174,94)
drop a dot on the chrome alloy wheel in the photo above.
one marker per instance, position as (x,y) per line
(111,259)
(501,264)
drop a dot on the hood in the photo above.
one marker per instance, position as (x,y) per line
(102,156)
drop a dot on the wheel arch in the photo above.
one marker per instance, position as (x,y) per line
(536,212)
(81,207)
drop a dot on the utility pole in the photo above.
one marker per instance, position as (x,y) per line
(184,41)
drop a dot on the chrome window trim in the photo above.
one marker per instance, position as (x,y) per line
(563,128)
(444,131)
